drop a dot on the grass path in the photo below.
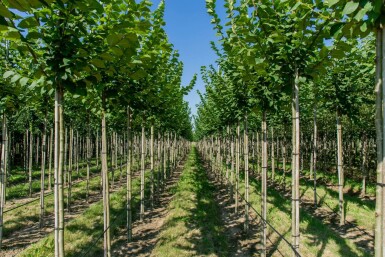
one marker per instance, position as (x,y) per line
(193,226)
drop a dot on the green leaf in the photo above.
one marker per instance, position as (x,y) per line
(114,39)
(7,74)
(330,3)
(5,12)
(29,22)
(98,63)
(21,5)
(15,78)
(350,7)
(24,81)
(364,27)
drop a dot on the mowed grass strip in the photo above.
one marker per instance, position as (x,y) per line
(358,210)
(193,226)
(317,238)
(83,236)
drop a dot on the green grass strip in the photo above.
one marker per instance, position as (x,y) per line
(193,226)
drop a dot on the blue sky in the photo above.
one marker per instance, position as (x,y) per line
(189,29)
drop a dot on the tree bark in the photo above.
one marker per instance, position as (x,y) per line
(58,169)
(106,193)
(246,159)
(295,164)
(380,91)
(50,161)
(129,176)
(237,164)
(30,159)
(70,154)
(340,169)
(142,171)
(364,171)
(43,155)
(264,184)
(152,166)
(315,142)
(4,155)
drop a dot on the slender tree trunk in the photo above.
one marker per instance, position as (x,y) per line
(4,155)
(296,166)
(237,164)
(70,154)
(97,149)
(142,170)
(315,139)
(264,184)
(258,155)
(152,166)
(43,155)
(232,169)
(272,156)
(65,156)
(106,193)
(50,161)
(340,170)
(246,159)
(363,164)
(58,169)
(30,159)
(88,163)
(129,176)
(284,161)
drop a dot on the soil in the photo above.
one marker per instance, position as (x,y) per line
(145,233)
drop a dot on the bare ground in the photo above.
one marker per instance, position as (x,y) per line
(19,240)
(145,234)
(360,236)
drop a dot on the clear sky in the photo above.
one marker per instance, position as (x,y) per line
(189,29)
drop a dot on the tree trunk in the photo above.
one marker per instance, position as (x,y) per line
(364,171)
(4,155)
(315,139)
(232,169)
(340,170)
(152,166)
(30,159)
(70,153)
(88,163)
(50,161)
(142,170)
(237,164)
(264,184)
(380,91)
(272,156)
(43,154)
(246,159)
(58,169)
(129,176)
(295,164)
(106,193)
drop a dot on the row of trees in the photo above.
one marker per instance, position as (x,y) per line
(277,60)
(97,63)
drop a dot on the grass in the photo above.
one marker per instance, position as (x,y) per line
(317,239)
(193,225)
(15,220)
(83,235)
(19,188)
(356,209)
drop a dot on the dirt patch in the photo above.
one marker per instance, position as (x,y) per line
(19,240)
(241,244)
(145,234)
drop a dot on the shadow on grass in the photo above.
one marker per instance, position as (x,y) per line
(321,233)
(198,213)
